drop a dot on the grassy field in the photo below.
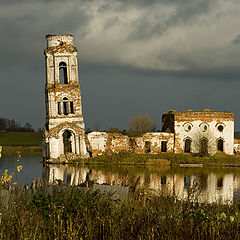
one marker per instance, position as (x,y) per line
(20,139)
(90,215)
(172,158)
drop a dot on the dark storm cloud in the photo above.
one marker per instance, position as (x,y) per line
(151,25)
(111,22)
(128,49)
(236,40)
(147,28)
(24,32)
(188,10)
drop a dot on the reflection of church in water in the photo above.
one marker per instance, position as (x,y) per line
(210,187)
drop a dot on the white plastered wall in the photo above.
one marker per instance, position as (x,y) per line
(212,133)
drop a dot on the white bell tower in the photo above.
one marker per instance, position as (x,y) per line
(64,130)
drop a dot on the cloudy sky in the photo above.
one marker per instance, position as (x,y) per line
(135,57)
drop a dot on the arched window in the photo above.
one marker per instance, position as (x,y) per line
(65,106)
(187,146)
(220,145)
(63,73)
(67,144)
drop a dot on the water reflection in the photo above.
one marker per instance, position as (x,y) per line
(209,184)
(32,168)
(205,185)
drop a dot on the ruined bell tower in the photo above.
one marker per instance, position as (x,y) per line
(64,131)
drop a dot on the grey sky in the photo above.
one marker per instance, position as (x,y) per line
(135,56)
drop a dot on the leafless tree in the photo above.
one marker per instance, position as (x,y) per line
(204,143)
(140,124)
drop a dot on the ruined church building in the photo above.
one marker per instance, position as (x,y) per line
(64,131)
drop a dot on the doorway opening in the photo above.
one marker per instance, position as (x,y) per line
(67,143)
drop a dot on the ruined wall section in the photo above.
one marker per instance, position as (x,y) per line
(97,143)
(212,125)
(109,143)
(117,143)
(155,140)
(236,145)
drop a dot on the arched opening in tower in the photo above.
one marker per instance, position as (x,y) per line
(67,143)
(63,73)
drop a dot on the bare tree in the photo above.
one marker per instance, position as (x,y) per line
(140,124)
(204,143)
(113,130)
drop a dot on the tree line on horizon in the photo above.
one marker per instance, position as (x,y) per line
(11,125)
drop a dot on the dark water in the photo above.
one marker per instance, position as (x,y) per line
(32,168)
(202,184)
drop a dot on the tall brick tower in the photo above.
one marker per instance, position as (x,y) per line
(64,130)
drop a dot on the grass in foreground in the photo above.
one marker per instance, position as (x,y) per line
(128,158)
(90,215)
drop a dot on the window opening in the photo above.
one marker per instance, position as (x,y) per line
(187,147)
(147,147)
(71,107)
(187,127)
(63,73)
(59,108)
(164,146)
(220,145)
(220,128)
(65,106)
(204,128)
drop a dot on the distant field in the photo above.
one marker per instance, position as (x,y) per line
(20,139)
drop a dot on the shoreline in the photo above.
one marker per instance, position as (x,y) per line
(164,159)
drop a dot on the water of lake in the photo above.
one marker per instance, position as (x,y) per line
(205,184)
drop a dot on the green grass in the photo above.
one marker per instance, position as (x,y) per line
(90,215)
(20,139)
(128,158)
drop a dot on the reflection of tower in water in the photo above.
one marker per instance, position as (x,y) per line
(211,187)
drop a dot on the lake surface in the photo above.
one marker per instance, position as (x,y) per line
(220,185)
